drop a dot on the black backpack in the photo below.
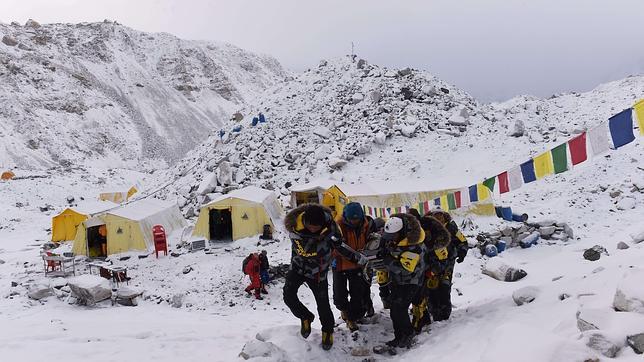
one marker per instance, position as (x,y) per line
(245,262)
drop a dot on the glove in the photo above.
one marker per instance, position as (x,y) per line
(462,253)
(361,259)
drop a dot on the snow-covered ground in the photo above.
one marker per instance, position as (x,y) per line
(216,320)
(445,139)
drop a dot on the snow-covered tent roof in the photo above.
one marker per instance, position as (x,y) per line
(93,207)
(392,193)
(142,209)
(258,195)
(312,186)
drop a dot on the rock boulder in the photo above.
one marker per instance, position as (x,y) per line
(90,289)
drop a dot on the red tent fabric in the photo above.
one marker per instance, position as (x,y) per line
(504,182)
(577,147)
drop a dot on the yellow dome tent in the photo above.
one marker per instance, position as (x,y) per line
(126,228)
(239,214)
(64,225)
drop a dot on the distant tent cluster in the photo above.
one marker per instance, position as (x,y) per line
(118,196)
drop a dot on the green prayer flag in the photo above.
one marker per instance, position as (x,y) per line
(451,201)
(560,158)
(489,183)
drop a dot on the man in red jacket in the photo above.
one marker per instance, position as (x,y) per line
(252,270)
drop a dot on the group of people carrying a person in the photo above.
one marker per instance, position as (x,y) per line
(412,256)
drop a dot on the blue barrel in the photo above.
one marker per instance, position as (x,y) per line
(497,209)
(491,250)
(500,246)
(519,217)
(506,213)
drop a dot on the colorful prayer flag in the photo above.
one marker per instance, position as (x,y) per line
(426,206)
(483,191)
(474,195)
(457,199)
(489,183)
(621,128)
(451,202)
(543,165)
(515,178)
(465,197)
(504,182)
(598,138)
(527,170)
(560,158)
(437,202)
(577,147)
(639,113)
(444,204)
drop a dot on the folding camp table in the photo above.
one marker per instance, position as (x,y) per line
(59,265)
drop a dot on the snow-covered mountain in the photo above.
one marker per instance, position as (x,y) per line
(80,93)
(353,122)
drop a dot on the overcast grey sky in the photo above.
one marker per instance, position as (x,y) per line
(491,48)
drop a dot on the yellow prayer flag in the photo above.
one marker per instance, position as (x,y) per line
(543,165)
(483,191)
(444,203)
(639,112)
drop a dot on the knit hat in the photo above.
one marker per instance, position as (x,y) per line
(314,215)
(352,211)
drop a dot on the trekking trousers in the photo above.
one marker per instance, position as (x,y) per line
(320,291)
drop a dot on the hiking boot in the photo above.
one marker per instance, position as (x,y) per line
(392,343)
(259,297)
(406,341)
(264,291)
(305,327)
(327,340)
(352,325)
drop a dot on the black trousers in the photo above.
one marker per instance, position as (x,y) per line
(401,298)
(321,293)
(440,299)
(357,288)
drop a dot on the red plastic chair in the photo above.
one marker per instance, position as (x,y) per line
(52,264)
(160,242)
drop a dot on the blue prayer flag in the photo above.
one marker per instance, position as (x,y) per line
(621,128)
(474,195)
(527,170)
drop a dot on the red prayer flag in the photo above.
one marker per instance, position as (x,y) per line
(457,196)
(504,182)
(577,148)
(426,203)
